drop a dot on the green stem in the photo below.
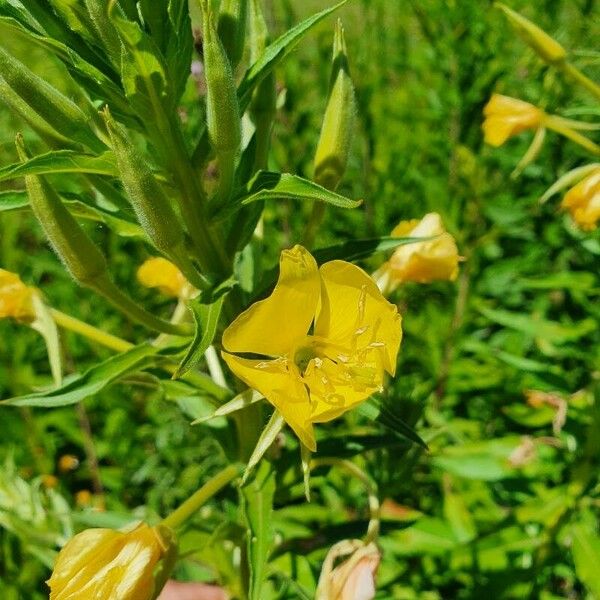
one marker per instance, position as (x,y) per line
(197,499)
(579,77)
(352,469)
(559,127)
(316,216)
(226,163)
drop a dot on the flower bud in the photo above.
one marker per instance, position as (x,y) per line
(158,272)
(506,117)
(103,563)
(583,201)
(150,203)
(67,462)
(353,579)
(232,28)
(79,254)
(16,298)
(333,148)
(59,112)
(547,48)
(431,260)
(222,110)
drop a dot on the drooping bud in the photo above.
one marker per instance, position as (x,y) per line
(151,205)
(232,28)
(222,110)
(104,563)
(547,48)
(58,111)
(333,148)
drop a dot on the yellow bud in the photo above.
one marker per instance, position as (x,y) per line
(583,201)
(546,47)
(333,148)
(103,563)
(158,272)
(83,498)
(16,298)
(506,117)
(49,481)
(67,462)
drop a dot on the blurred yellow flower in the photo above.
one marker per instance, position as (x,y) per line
(324,338)
(506,117)
(108,564)
(583,201)
(158,272)
(431,260)
(16,298)
(67,462)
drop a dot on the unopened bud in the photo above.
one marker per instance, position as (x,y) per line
(222,111)
(546,47)
(232,28)
(333,148)
(79,254)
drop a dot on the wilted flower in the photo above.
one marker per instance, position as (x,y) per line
(115,565)
(353,579)
(431,260)
(583,201)
(16,298)
(158,272)
(506,117)
(322,341)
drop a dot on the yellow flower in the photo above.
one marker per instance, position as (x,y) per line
(324,338)
(583,201)
(16,299)
(422,262)
(506,116)
(158,272)
(108,564)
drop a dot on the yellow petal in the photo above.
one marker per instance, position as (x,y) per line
(506,117)
(432,260)
(15,297)
(583,201)
(272,326)
(282,387)
(354,313)
(158,272)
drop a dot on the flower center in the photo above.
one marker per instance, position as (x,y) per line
(302,356)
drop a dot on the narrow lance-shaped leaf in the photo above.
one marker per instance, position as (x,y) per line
(257,509)
(242,400)
(91,381)
(267,437)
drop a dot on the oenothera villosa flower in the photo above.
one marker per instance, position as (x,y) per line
(158,272)
(506,117)
(434,259)
(109,564)
(318,345)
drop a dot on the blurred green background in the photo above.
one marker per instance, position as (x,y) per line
(503,505)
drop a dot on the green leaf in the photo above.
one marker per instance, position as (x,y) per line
(267,437)
(206,318)
(61,161)
(91,381)
(374,410)
(44,324)
(257,510)
(115,220)
(529,416)
(268,186)
(242,400)
(586,555)
(274,53)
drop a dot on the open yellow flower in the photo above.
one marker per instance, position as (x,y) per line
(158,272)
(422,262)
(583,201)
(506,117)
(108,564)
(16,298)
(321,341)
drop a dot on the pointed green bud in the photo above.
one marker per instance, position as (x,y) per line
(333,148)
(151,205)
(78,253)
(60,113)
(105,29)
(232,28)
(547,48)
